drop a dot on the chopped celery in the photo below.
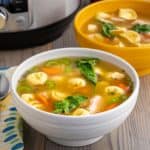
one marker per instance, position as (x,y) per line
(68,68)
(24,89)
(34,69)
(65,61)
(118,100)
(50,84)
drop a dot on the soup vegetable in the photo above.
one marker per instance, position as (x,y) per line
(75,86)
(125,27)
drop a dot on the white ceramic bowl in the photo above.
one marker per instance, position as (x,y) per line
(68,130)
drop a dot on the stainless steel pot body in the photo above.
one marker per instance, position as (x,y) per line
(22,15)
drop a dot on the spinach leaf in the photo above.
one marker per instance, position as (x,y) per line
(106,29)
(61,107)
(75,101)
(86,68)
(69,104)
(141,28)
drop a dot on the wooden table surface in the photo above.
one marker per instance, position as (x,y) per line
(133,134)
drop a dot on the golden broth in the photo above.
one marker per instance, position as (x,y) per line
(93,28)
(75,86)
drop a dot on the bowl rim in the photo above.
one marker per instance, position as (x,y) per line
(105,45)
(103,114)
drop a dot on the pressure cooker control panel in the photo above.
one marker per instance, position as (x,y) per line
(15,6)
(14,15)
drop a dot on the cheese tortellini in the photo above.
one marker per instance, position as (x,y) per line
(77,82)
(116,75)
(30,99)
(119,30)
(132,37)
(127,13)
(102,16)
(80,112)
(37,78)
(114,90)
(57,95)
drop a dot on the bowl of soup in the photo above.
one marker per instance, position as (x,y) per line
(119,27)
(75,96)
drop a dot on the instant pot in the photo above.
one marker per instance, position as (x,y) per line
(26,23)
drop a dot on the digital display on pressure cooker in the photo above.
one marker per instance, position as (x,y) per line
(15,6)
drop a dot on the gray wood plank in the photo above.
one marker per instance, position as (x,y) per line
(67,40)
(54,146)
(33,139)
(15,57)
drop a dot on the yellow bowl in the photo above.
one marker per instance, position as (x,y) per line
(139,57)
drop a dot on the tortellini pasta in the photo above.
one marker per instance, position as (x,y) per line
(119,30)
(77,82)
(102,16)
(132,37)
(57,95)
(37,104)
(116,75)
(37,78)
(30,99)
(127,13)
(80,112)
(112,90)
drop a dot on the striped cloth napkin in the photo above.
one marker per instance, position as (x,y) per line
(10,121)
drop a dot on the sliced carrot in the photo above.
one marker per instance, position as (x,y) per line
(42,98)
(85,90)
(45,101)
(124,87)
(107,40)
(111,106)
(52,70)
